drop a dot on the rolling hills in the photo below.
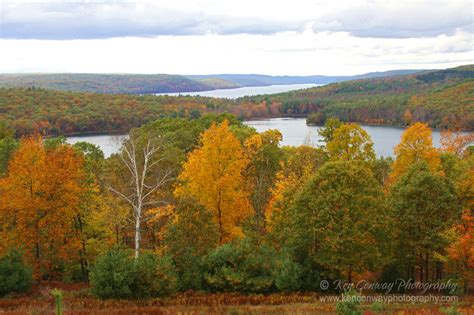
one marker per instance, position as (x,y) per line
(441,98)
(164,83)
(114,83)
(263,80)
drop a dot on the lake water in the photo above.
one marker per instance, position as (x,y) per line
(294,130)
(248,91)
(109,144)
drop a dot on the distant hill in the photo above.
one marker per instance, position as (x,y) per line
(442,98)
(263,80)
(165,83)
(114,83)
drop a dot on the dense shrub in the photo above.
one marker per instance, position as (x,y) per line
(155,276)
(243,266)
(15,275)
(287,274)
(113,275)
(312,275)
(118,275)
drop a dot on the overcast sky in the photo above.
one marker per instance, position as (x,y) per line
(291,37)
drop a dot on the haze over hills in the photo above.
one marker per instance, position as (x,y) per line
(262,80)
(113,83)
(165,83)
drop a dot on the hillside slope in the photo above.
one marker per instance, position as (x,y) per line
(60,112)
(164,83)
(113,83)
(442,98)
(263,80)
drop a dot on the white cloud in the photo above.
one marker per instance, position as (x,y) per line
(399,19)
(247,36)
(105,19)
(282,53)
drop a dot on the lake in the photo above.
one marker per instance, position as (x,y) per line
(247,91)
(294,130)
(109,144)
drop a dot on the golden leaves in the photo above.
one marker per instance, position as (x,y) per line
(213,176)
(416,145)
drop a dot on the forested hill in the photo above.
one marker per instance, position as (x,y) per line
(442,98)
(114,83)
(262,80)
(165,83)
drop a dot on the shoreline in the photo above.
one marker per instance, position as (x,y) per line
(300,116)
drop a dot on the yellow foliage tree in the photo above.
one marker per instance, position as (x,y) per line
(213,176)
(301,163)
(39,200)
(351,142)
(416,145)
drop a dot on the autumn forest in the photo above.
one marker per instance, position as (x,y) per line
(208,204)
(441,98)
(197,206)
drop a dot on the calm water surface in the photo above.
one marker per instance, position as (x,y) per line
(109,144)
(248,90)
(294,130)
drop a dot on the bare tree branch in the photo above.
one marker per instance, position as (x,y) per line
(140,164)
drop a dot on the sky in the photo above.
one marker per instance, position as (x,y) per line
(291,37)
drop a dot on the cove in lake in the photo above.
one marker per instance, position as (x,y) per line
(294,130)
(247,91)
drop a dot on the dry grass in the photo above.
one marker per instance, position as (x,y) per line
(77,300)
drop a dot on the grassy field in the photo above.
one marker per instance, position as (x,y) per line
(77,300)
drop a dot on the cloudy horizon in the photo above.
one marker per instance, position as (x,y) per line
(300,37)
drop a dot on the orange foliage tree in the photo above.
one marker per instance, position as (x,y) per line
(416,145)
(455,142)
(461,251)
(39,200)
(213,176)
